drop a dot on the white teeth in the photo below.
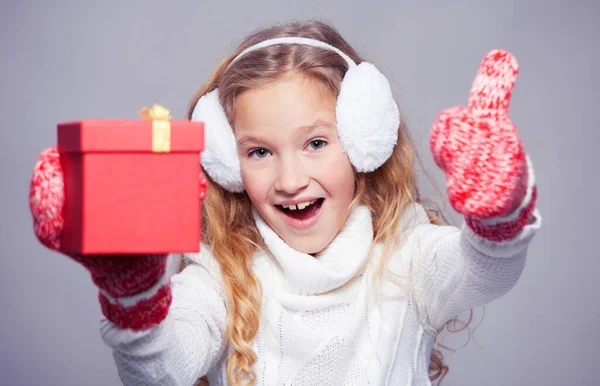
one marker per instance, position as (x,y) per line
(300,205)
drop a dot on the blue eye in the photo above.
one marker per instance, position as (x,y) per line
(317,144)
(259,153)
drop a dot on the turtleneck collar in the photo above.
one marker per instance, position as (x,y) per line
(343,259)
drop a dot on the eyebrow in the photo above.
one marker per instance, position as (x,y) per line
(309,129)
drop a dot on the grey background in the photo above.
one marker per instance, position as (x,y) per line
(66,60)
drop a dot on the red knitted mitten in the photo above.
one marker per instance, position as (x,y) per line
(489,177)
(134,290)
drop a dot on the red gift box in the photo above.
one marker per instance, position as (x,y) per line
(132,186)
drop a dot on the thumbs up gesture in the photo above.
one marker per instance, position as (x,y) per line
(488,174)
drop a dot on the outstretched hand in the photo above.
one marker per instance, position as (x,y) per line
(142,277)
(478,148)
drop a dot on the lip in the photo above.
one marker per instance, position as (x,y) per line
(303,224)
(304,199)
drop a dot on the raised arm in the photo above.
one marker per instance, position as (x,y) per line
(490,181)
(164,328)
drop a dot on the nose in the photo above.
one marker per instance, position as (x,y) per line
(291,176)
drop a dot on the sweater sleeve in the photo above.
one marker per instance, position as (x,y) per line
(186,344)
(461,270)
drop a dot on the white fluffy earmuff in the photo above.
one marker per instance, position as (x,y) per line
(367,120)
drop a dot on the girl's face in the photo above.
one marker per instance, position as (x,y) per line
(293,166)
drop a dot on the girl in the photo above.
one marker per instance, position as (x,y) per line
(319,265)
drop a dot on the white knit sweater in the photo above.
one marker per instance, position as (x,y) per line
(323,320)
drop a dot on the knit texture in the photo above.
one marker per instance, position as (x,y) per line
(479,150)
(504,230)
(124,275)
(335,327)
(143,314)
(47,198)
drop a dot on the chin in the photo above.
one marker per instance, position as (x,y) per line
(312,247)
(310,250)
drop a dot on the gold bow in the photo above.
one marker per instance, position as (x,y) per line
(161,127)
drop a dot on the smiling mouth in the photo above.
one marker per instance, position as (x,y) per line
(305,212)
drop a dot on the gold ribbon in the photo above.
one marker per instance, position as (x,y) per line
(161,127)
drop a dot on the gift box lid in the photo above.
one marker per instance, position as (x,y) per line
(131,135)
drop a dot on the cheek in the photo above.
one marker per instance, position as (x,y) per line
(338,177)
(256,181)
